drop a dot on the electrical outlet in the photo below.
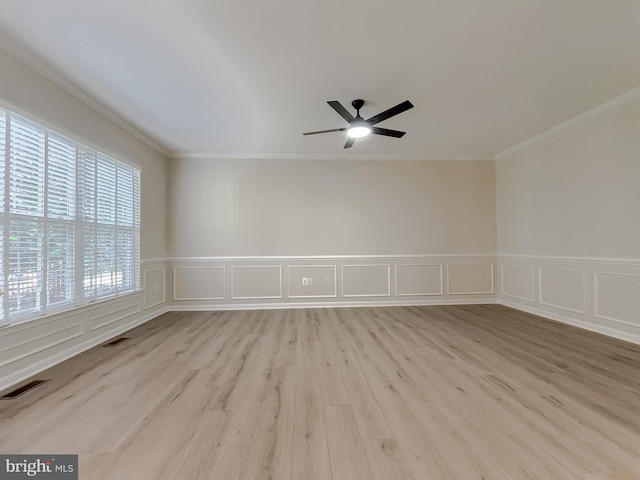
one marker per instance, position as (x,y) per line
(479,279)
(156,287)
(327,280)
(305,281)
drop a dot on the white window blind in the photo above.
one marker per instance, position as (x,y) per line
(70,219)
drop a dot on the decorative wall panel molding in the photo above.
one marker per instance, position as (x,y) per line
(199,283)
(154,287)
(517,281)
(312,281)
(325,280)
(256,282)
(418,279)
(36,344)
(616,297)
(562,288)
(372,280)
(595,293)
(470,278)
(112,315)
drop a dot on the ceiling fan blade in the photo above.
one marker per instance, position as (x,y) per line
(401,107)
(343,112)
(387,132)
(350,142)
(325,131)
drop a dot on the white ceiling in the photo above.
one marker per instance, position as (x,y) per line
(246,78)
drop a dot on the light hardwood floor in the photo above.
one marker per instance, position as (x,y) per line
(455,392)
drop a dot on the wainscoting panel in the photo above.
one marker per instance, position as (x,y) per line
(517,281)
(562,288)
(48,338)
(199,283)
(33,346)
(598,294)
(366,281)
(312,281)
(416,279)
(331,280)
(109,314)
(256,282)
(154,287)
(617,296)
(470,278)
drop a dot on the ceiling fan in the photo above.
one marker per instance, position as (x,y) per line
(359,127)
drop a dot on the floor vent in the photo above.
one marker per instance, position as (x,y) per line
(23,389)
(115,342)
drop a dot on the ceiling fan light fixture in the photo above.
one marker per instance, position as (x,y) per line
(359,127)
(359,131)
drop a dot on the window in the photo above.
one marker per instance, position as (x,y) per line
(69,218)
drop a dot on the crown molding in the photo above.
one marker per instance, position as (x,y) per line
(572,122)
(30,61)
(325,156)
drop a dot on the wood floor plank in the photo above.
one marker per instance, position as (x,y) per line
(272,424)
(346,450)
(200,441)
(417,444)
(443,392)
(228,464)
(386,460)
(332,384)
(310,456)
(368,414)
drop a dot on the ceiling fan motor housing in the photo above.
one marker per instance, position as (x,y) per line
(359,127)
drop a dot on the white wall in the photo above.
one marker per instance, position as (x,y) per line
(246,232)
(30,347)
(269,207)
(568,215)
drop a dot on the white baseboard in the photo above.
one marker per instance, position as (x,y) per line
(37,367)
(366,303)
(610,332)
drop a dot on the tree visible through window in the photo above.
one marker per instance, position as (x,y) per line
(69,218)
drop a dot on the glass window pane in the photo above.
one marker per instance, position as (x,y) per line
(26,167)
(60,263)
(106,190)
(87,184)
(24,285)
(61,177)
(106,261)
(125,259)
(72,219)
(124,199)
(89,261)
(3,150)
(3,285)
